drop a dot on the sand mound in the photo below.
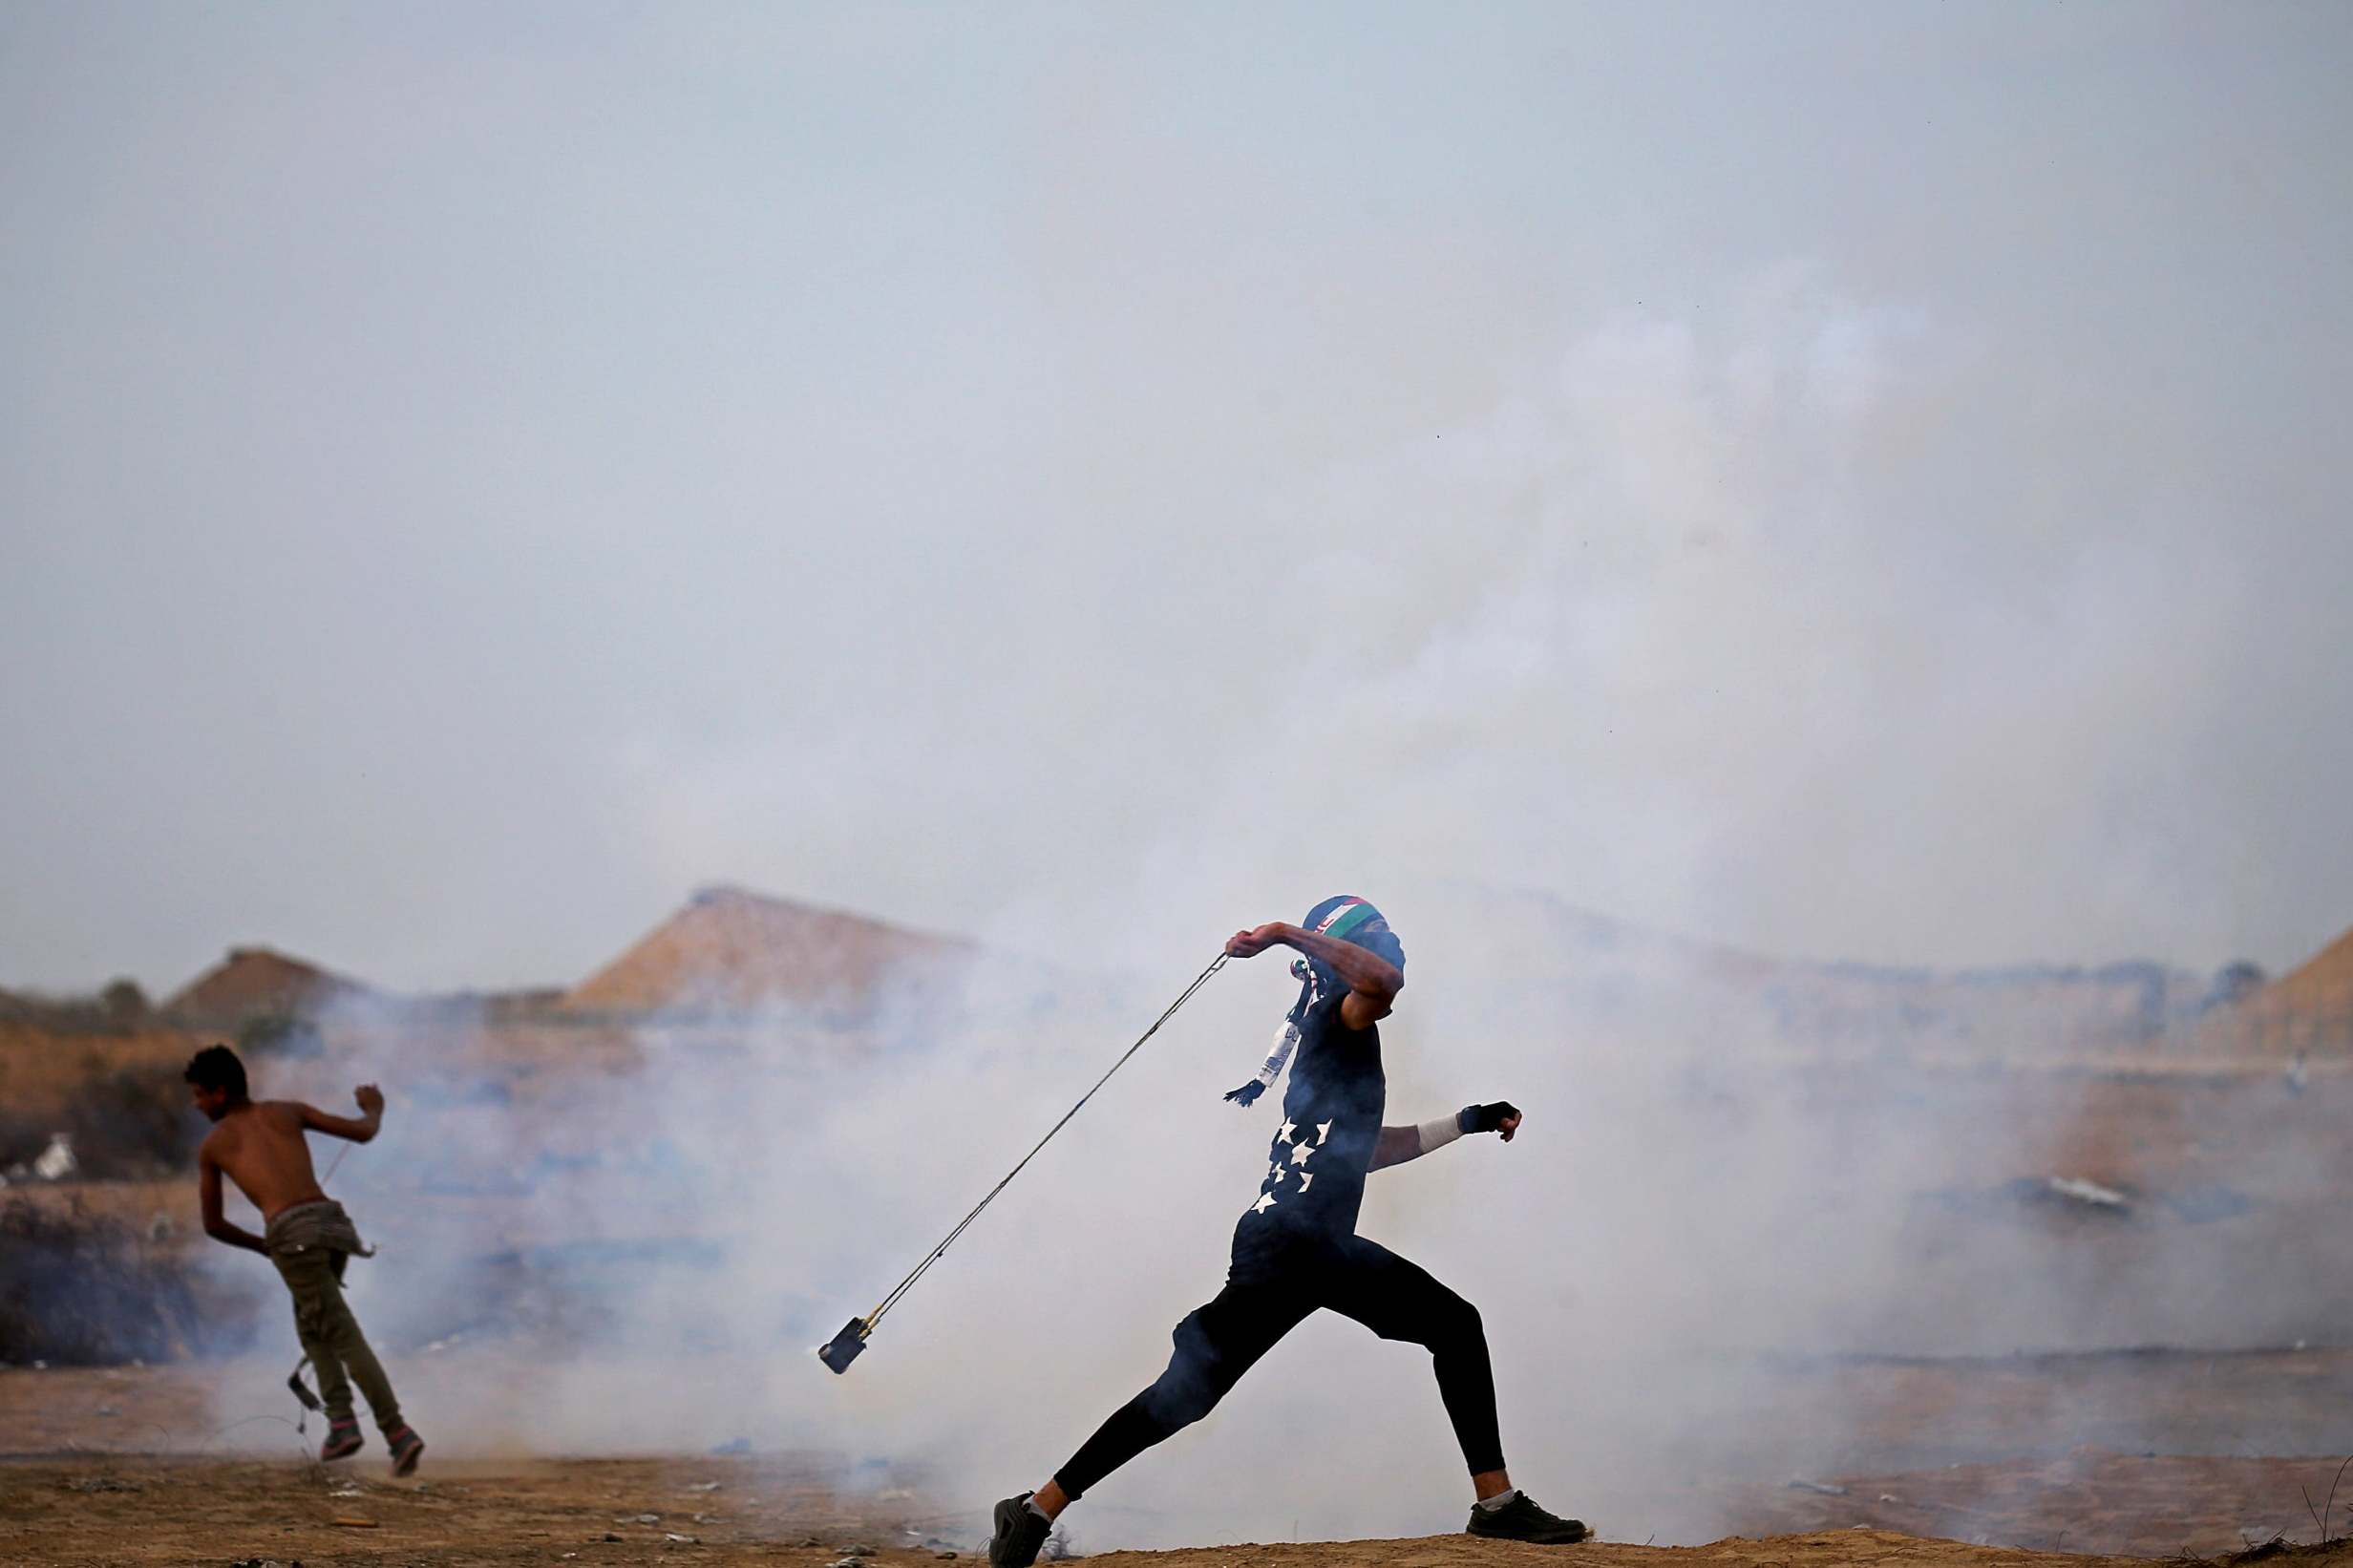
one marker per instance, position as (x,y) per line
(731,950)
(2309,1008)
(257,983)
(2322,988)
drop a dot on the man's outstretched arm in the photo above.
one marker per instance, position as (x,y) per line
(358,1128)
(1372,981)
(216,1221)
(1396,1145)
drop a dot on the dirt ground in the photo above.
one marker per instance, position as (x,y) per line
(122,1464)
(689,1512)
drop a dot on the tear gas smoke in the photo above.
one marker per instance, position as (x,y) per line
(1689,574)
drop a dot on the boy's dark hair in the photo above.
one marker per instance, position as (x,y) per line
(216,1067)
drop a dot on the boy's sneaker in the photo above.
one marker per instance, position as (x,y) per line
(1521,1519)
(1021,1531)
(343,1439)
(407,1449)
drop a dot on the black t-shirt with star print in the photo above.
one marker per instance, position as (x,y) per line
(1314,1181)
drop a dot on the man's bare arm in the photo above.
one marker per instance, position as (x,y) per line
(1396,1146)
(358,1128)
(216,1221)
(1372,981)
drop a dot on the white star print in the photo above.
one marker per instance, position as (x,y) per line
(1275,1174)
(1288,1128)
(1305,1179)
(1299,1152)
(1266,1201)
(1324,1133)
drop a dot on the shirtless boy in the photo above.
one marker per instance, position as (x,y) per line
(260,1144)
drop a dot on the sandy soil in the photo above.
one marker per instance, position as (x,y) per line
(687,1513)
(125,1465)
(599,1511)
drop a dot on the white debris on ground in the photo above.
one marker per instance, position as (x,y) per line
(56,1162)
(2081,1190)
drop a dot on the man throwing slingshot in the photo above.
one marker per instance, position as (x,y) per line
(1296,1249)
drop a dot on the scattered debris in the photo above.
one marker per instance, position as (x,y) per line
(639,1518)
(348,1523)
(856,1550)
(946,1556)
(56,1162)
(677,1539)
(610,1536)
(101,1483)
(705,1486)
(1823,1488)
(2080,1190)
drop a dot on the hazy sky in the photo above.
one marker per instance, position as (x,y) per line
(1862,480)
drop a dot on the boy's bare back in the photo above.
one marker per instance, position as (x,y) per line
(261,1147)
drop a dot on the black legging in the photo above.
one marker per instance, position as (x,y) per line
(1355,1277)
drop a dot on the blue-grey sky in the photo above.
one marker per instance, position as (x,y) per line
(1862,480)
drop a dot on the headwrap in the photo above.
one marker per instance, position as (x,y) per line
(1345,919)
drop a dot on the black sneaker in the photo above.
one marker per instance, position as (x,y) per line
(407,1449)
(1521,1519)
(1020,1534)
(343,1439)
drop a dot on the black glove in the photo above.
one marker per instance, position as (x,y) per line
(1485,1118)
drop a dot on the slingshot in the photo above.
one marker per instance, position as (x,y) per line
(844,1346)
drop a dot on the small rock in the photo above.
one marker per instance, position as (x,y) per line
(946,1556)
(858,1551)
(704,1486)
(610,1536)
(677,1538)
